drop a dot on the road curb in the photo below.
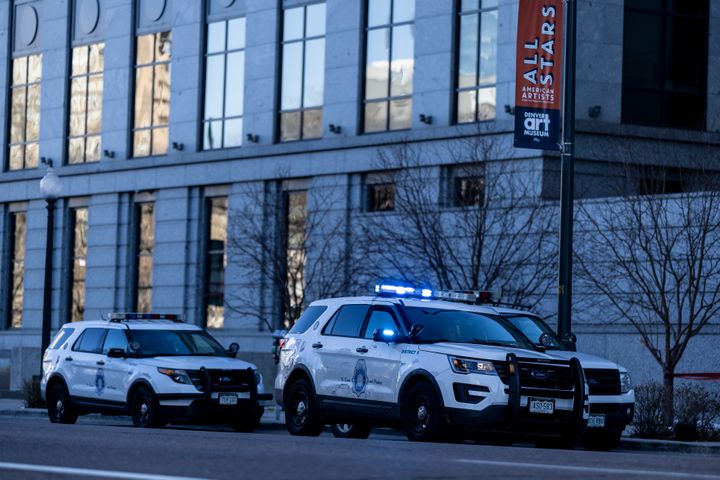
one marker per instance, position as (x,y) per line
(647,445)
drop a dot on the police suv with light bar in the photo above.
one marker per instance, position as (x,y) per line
(427,362)
(152,366)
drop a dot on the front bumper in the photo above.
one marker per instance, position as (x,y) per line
(617,416)
(201,406)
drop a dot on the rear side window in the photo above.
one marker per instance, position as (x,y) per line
(90,340)
(60,338)
(347,321)
(308,318)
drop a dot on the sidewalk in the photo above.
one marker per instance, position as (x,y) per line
(274,419)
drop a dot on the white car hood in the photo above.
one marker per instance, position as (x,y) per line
(484,352)
(586,360)
(194,363)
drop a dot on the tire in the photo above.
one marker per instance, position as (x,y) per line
(351,430)
(145,410)
(60,410)
(247,423)
(422,414)
(302,417)
(602,441)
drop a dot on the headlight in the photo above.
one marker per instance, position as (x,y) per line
(467,365)
(178,376)
(625,383)
(258,378)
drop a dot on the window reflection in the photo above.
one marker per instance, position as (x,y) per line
(216,262)
(145,246)
(224,84)
(477,61)
(25,112)
(79,217)
(152,94)
(303,72)
(18,226)
(295,252)
(390,65)
(86,96)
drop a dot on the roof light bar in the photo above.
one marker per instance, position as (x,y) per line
(119,317)
(465,296)
(402,290)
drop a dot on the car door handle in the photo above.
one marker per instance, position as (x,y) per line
(361,350)
(68,359)
(317,345)
(100,362)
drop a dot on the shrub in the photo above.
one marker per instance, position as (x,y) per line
(648,420)
(697,411)
(31,391)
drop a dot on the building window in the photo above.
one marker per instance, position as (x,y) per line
(86,95)
(145,242)
(18,229)
(477,60)
(78,232)
(380,196)
(216,262)
(389,65)
(296,217)
(25,112)
(303,72)
(224,84)
(665,55)
(152,94)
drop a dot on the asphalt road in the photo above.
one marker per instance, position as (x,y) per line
(33,448)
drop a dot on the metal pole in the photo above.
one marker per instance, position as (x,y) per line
(47,289)
(567,174)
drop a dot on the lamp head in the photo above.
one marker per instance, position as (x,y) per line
(50,185)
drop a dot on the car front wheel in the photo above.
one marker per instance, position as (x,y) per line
(59,408)
(351,430)
(301,415)
(422,415)
(144,409)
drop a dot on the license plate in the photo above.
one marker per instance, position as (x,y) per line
(228,399)
(596,421)
(537,405)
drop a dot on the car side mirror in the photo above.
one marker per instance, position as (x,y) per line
(116,353)
(233,349)
(546,340)
(569,340)
(387,335)
(416,329)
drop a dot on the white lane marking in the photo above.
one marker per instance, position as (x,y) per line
(581,469)
(87,472)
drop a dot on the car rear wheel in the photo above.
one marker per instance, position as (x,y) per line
(602,441)
(60,410)
(422,415)
(301,415)
(351,430)
(144,409)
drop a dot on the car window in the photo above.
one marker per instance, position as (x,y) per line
(90,340)
(115,339)
(308,318)
(382,319)
(533,328)
(61,337)
(347,321)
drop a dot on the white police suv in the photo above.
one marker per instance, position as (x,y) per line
(612,398)
(151,366)
(410,358)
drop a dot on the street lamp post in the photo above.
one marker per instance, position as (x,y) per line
(50,189)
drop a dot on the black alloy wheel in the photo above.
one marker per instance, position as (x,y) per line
(301,414)
(144,409)
(60,410)
(423,418)
(351,430)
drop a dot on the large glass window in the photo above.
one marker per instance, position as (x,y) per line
(86,96)
(390,63)
(477,60)
(152,94)
(303,72)
(295,254)
(216,262)
(18,229)
(79,219)
(665,55)
(224,84)
(25,112)
(145,223)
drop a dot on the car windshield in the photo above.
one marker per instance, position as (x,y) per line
(156,343)
(459,326)
(533,327)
